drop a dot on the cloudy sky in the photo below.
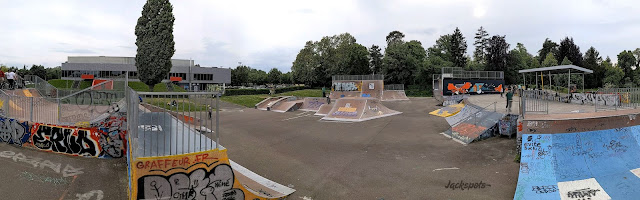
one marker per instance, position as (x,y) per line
(267,34)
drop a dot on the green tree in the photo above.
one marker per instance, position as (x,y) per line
(375,59)
(257,77)
(570,50)
(636,53)
(566,61)
(154,39)
(286,78)
(497,54)
(53,73)
(458,49)
(38,70)
(441,48)
(431,65)
(549,60)
(395,37)
(481,44)
(304,66)
(547,47)
(592,61)
(626,60)
(613,75)
(517,59)
(402,60)
(274,76)
(240,75)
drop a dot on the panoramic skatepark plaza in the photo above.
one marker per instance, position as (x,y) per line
(364,140)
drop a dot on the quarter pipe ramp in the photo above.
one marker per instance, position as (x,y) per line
(579,158)
(313,103)
(358,109)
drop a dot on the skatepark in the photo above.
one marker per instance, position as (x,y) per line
(291,147)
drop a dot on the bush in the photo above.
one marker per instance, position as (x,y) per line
(288,89)
(418,91)
(233,92)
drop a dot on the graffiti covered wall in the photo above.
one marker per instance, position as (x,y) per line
(104,139)
(467,86)
(200,175)
(600,99)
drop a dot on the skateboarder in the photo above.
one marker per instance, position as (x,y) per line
(509,99)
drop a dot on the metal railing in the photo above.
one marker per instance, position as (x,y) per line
(33,109)
(44,88)
(172,123)
(474,116)
(90,103)
(534,101)
(357,77)
(614,98)
(394,87)
(457,72)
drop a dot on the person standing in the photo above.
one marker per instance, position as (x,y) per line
(11,76)
(509,100)
(2,79)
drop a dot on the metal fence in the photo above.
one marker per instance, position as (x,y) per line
(394,87)
(457,72)
(172,123)
(357,77)
(43,105)
(615,98)
(534,101)
(44,88)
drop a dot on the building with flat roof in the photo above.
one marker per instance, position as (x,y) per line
(182,71)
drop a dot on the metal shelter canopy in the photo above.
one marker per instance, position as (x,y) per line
(559,69)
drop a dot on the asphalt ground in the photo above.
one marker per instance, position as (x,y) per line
(33,174)
(396,157)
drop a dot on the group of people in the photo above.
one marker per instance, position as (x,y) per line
(8,76)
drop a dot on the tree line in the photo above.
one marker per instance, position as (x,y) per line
(38,70)
(409,63)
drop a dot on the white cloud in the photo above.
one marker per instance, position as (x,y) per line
(267,34)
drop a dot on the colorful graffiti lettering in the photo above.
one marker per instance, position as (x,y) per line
(346,86)
(69,140)
(202,175)
(459,88)
(14,132)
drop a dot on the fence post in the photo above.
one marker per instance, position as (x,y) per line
(59,111)
(31,110)
(218,121)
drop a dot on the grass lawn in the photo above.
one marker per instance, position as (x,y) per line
(251,100)
(304,93)
(160,87)
(183,105)
(244,100)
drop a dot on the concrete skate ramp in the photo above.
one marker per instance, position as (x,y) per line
(455,99)
(268,102)
(287,106)
(358,109)
(324,110)
(178,144)
(448,111)
(465,112)
(394,95)
(313,103)
(582,157)
(476,126)
(343,94)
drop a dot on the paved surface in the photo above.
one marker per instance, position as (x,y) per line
(485,100)
(33,174)
(397,157)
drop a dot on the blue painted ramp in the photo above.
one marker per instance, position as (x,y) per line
(585,165)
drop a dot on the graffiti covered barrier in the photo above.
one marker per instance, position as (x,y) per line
(200,175)
(105,140)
